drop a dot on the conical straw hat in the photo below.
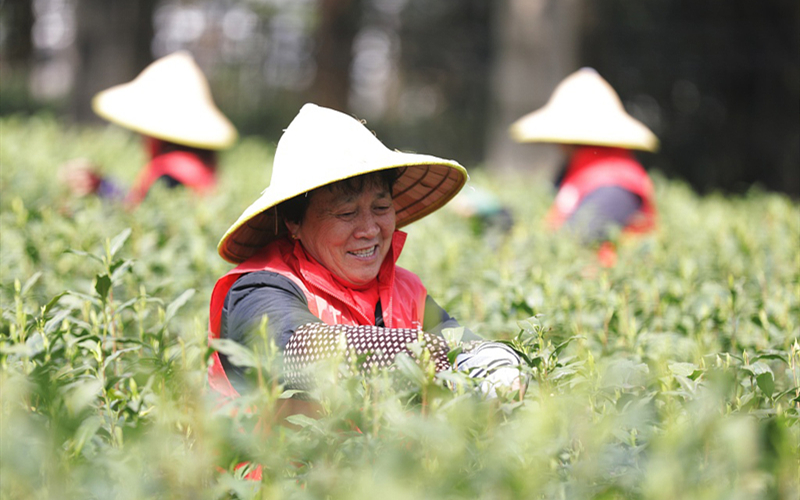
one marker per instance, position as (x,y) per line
(322,146)
(169,100)
(584,109)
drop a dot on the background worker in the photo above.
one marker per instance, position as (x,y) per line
(602,186)
(171,106)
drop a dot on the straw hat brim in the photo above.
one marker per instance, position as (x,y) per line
(169,100)
(584,109)
(426,183)
(615,131)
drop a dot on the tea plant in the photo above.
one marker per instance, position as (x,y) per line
(675,374)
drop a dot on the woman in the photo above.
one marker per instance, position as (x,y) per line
(317,255)
(603,186)
(170,104)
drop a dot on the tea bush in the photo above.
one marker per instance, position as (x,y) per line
(675,374)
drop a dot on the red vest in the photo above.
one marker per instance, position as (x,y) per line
(182,166)
(402,295)
(594,167)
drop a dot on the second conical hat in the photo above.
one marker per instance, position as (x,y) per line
(584,109)
(169,100)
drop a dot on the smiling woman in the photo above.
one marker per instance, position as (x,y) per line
(317,256)
(347,226)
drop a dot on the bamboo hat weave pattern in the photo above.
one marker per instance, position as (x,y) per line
(169,100)
(321,146)
(584,109)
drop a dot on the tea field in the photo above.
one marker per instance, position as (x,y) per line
(673,375)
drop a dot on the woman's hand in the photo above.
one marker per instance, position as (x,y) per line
(315,342)
(81,176)
(496,363)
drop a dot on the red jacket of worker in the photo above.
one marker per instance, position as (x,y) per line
(401,292)
(593,167)
(190,167)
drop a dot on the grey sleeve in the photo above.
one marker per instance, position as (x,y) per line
(436,319)
(265,293)
(260,294)
(252,297)
(600,211)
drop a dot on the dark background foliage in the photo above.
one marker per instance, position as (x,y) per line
(718,81)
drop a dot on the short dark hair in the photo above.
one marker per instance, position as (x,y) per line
(294,209)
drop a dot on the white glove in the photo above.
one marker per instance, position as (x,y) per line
(494,362)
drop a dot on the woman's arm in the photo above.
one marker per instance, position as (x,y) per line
(302,336)
(317,341)
(305,340)
(253,297)
(436,319)
(260,294)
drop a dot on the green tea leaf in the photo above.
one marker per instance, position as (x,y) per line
(453,336)
(176,304)
(56,320)
(409,369)
(119,268)
(53,302)
(303,421)
(766,382)
(118,241)
(237,353)
(84,254)
(30,282)
(683,369)
(81,394)
(102,285)
(288,394)
(85,432)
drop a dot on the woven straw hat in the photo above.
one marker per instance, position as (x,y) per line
(169,100)
(322,146)
(584,109)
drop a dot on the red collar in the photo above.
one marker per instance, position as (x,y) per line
(363,298)
(587,155)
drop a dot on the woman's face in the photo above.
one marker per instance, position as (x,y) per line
(349,234)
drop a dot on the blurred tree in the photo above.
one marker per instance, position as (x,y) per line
(438,99)
(17,19)
(536,46)
(339,21)
(17,24)
(113,42)
(719,82)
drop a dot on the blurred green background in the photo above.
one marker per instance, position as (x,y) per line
(718,81)
(674,375)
